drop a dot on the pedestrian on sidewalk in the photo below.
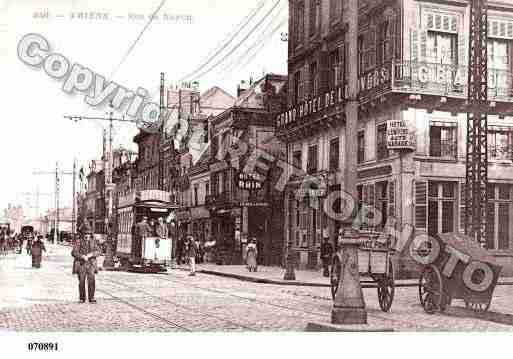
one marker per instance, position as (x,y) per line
(38,247)
(85,252)
(191,251)
(179,249)
(326,254)
(252,255)
(29,244)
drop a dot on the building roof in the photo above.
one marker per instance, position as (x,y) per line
(254,95)
(216,98)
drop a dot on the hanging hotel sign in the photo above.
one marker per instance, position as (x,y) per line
(248,181)
(312,106)
(400,135)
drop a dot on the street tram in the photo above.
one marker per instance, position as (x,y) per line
(134,254)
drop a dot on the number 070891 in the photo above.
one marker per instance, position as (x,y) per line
(35,346)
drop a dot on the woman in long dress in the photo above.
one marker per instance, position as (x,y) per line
(251,255)
(37,250)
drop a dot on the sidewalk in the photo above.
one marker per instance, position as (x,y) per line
(269,275)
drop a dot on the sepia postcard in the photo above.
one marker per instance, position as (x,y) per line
(338,171)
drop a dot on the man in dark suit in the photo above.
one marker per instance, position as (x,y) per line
(142,231)
(85,251)
(326,255)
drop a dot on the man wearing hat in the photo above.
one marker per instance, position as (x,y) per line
(326,253)
(142,231)
(84,252)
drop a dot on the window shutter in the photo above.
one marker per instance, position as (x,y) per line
(302,77)
(462,207)
(423,44)
(421,204)
(414,45)
(462,48)
(391,199)
(323,70)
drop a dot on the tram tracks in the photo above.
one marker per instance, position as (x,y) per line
(189,309)
(296,309)
(144,311)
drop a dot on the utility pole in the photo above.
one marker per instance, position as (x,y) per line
(109,161)
(476,185)
(161,134)
(349,304)
(109,185)
(57,175)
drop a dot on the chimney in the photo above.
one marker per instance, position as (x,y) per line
(243,86)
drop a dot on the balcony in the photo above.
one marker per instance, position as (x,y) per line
(500,152)
(425,78)
(219,199)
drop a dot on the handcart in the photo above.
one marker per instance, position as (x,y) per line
(459,269)
(375,264)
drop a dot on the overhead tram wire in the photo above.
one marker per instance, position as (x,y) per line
(240,42)
(223,44)
(261,37)
(132,46)
(136,41)
(260,47)
(258,44)
(221,47)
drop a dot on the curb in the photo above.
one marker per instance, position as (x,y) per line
(246,278)
(363,328)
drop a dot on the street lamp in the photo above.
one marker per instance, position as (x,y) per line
(289,269)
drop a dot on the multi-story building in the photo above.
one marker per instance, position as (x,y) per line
(239,212)
(199,188)
(313,126)
(95,197)
(412,69)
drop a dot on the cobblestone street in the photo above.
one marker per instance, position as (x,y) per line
(46,300)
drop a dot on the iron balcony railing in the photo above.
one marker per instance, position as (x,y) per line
(443,148)
(218,199)
(431,78)
(500,152)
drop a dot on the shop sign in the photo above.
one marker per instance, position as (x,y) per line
(184,216)
(312,106)
(248,181)
(199,212)
(254,204)
(153,195)
(303,192)
(400,135)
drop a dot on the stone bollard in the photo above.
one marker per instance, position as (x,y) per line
(349,305)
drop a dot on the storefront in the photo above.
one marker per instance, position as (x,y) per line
(225,223)
(200,223)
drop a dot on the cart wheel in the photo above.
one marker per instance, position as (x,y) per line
(386,288)
(478,307)
(336,269)
(431,289)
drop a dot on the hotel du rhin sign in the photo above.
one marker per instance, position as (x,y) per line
(312,106)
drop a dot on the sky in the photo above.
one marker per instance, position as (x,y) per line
(35,135)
